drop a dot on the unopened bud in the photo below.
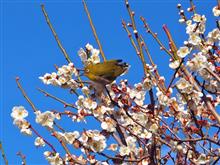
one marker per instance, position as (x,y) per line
(127,4)
(189,9)
(135,32)
(133,13)
(17,78)
(178,5)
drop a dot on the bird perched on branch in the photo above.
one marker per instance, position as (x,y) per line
(106,72)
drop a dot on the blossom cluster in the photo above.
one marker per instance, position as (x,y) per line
(62,78)
(19,113)
(89,55)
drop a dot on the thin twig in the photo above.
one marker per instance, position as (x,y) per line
(193,7)
(3,154)
(55,35)
(23,157)
(155,37)
(137,37)
(56,98)
(93,30)
(25,95)
(59,127)
(67,150)
(130,37)
(174,76)
(51,146)
(157,75)
(147,51)
(218,1)
(212,109)
(171,42)
(213,74)
(35,109)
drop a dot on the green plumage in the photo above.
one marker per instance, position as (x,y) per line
(105,72)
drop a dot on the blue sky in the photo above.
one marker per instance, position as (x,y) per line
(28,50)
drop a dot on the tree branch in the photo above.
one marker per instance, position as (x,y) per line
(55,35)
(93,30)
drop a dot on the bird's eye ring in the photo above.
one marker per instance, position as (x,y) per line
(87,70)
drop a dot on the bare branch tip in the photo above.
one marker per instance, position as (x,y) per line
(123,23)
(164,26)
(17,78)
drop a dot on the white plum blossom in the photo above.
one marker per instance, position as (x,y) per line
(202,159)
(131,146)
(124,151)
(72,84)
(98,144)
(54,159)
(39,142)
(147,83)
(190,27)
(83,138)
(79,102)
(82,54)
(214,35)
(174,64)
(89,47)
(131,142)
(89,104)
(85,90)
(47,153)
(91,55)
(101,110)
(26,131)
(62,77)
(153,128)
(140,117)
(45,119)
(95,56)
(197,18)
(194,39)
(67,70)
(197,63)
(68,137)
(86,103)
(50,79)
(145,134)
(198,27)
(216,11)
(23,125)
(163,99)
(138,95)
(184,86)
(181,20)
(174,145)
(94,140)
(108,125)
(183,51)
(19,112)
